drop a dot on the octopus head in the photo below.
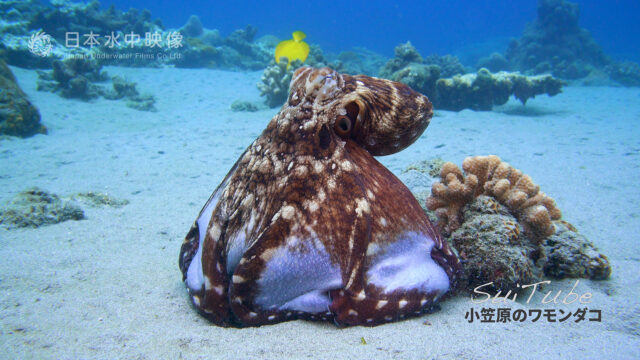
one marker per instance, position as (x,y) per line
(381,116)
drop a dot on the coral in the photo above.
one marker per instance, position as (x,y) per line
(196,54)
(419,77)
(449,65)
(35,207)
(626,73)
(72,78)
(405,54)
(480,91)
(18,116)
(483,90)
(193,27)
(488,175)
(123,89)
(555,43)
(358,61)
(494,63)
(275,82)
(67,16)
(241,105)
(570,254)
(250,55)
(450,196)
(316,57)
(212,37)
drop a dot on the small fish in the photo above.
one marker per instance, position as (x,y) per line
(293,49)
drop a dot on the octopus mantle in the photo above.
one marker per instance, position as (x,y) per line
(308,224)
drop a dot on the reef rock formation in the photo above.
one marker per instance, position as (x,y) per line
(479,91)
(18,116)
(75,78)
(483,90)
(494,63)
(493,247)
(626,73)
(193,27)
(449,65)
(556,43)
(124,89)
(505,230)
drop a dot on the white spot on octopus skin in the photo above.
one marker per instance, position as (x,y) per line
(237,279)
(346,165)
(288,211)
(218,289)
(381,304)
(402,303)
(353,312)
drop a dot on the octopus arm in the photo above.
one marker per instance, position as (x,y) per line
(405,266)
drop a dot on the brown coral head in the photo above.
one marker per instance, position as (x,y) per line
(382,116)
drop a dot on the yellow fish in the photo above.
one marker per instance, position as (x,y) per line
(294,49)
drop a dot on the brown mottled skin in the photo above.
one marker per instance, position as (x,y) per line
(311,174)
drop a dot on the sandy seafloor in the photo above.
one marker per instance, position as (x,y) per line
(109,286)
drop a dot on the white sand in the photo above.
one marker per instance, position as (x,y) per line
(110,287)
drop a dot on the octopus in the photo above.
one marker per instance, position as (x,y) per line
(309,225)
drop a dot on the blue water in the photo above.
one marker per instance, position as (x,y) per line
(441,27)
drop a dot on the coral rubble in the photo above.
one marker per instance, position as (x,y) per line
(75,77)
(98,199)
(242,105)
(18,116)
(35,207)
(505,230)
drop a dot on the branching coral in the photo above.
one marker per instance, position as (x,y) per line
(275,82)
(488,175)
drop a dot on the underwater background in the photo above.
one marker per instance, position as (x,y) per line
(119,118)
(441,27)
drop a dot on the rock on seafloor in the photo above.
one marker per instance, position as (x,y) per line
(18,116)
(35,207)
(505,231)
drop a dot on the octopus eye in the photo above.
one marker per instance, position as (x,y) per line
(343,126)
